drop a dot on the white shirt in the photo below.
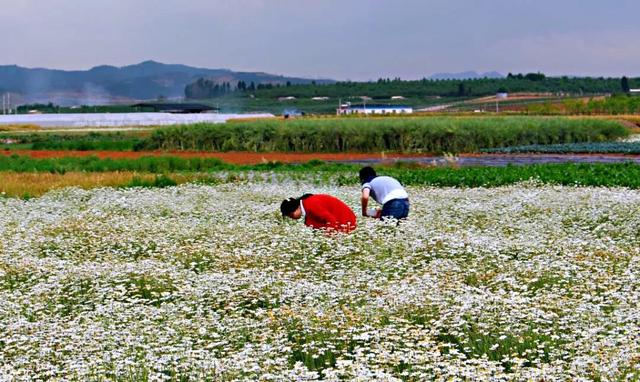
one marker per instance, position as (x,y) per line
(385,188)
(304,213)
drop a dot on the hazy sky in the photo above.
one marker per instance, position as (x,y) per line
(340,39)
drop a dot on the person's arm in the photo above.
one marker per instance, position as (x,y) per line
(364,200)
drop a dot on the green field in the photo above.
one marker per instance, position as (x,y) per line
(81,141)
(410,134)
(414,134)
(623,175)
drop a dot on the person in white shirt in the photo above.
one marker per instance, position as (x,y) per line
(385,190)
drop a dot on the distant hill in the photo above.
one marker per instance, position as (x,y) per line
(471,75)
(108,84)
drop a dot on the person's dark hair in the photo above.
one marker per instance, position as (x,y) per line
(289,205)
(366,174)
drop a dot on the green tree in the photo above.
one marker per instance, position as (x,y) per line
(624,83)
(461,89)
(535,76)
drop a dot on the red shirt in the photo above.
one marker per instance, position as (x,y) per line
(326,211)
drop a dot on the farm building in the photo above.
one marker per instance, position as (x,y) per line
(634,91)
(347,109)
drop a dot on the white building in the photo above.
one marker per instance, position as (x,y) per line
(634,91)
(347,109)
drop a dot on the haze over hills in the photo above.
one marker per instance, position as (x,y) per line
(109,84)
(150,80)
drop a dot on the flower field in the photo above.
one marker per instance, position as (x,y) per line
(195,282)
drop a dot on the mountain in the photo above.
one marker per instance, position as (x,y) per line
(470,75)
(108,84)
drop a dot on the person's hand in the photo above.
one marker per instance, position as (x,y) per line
(373,213)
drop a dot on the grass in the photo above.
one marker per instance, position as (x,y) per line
(29,185)
(475,342)
(35,184)
(12,128)
(148,288)
(408,134)
(606,175)
(414,133)
(149,164)
(12,278)
(79,141)
(22,176)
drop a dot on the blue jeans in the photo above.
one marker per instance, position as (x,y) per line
(396,208)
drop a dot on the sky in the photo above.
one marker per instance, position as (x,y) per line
(338,39)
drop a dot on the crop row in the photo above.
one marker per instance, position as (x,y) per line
(422,134)
(74,141)
(412,134)
(568,148)
(621,174)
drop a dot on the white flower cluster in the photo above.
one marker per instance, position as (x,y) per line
(631,138)
(526,282)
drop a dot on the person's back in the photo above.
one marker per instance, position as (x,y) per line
(385,190)
(326,211)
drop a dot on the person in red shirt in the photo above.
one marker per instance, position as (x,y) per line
(320,212)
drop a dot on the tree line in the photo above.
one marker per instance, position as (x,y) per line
(386,88)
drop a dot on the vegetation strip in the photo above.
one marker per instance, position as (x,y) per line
(27,185)
(78,141)
(178,170)
(332,135)
(569,148)
(412,134)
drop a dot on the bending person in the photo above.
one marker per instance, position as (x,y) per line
(320,212)
(385,190)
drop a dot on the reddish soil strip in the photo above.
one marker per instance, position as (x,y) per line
(229,157)
(373,158)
